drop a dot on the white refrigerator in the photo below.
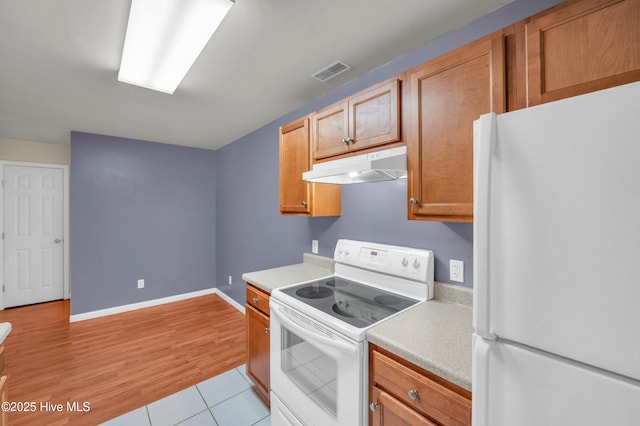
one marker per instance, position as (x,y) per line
(557,263)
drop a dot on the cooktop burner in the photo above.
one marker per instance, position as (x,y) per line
(314,292)
(357,304)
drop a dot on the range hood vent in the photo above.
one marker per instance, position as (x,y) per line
(330,71)
(388,164)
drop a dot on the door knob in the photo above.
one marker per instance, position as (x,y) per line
(267,330)
(373,406)
(413,394)
(57,241)
(413,201)
(304,203)
(348,140)
(255,300)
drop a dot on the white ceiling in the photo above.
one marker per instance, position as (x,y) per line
(59,62)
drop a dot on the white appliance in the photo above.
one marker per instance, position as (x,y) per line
(556,245)
(319,361)
(386,164)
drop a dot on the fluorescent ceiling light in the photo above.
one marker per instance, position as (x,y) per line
(164,38)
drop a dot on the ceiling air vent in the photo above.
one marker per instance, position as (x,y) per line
(330,71)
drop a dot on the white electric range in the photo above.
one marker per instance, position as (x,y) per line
(319,362)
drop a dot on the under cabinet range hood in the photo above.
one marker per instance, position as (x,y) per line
(388,164)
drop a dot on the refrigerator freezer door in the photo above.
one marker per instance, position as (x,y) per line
(529,388)
(563,225)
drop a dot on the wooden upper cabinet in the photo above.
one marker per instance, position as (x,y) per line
(368,119)
(330,128)
(297,196)
(580,47)
(374,116)
(445,96)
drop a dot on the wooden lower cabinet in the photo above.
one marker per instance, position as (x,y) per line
(258,334)
(401,393)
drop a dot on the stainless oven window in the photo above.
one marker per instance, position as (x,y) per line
(310,369)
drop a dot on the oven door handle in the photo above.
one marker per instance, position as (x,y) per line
(351,350)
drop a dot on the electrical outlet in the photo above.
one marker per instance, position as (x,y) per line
(456,270)
(314,246)
(230,280)
(140,283)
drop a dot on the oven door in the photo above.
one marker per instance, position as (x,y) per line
(316,373)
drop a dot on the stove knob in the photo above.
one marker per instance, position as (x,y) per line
(347,252)
(416,264)
(340,250)
(404,262)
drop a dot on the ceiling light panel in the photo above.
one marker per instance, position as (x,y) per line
(164,38)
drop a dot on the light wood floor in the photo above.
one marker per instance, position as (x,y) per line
(116,363)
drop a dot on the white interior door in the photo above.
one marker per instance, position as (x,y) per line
(33,235)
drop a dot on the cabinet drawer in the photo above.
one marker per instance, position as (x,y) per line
(431,398)
(258,299)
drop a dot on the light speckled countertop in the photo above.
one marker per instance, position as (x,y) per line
(311,268)
(434,335)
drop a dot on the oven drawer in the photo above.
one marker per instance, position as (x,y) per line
(258,299)
(419,392)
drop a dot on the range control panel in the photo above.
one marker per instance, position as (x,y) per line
(404,262)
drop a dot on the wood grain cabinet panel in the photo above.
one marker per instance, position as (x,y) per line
(446,95)
(580,47)
(258,334)
(297,196)
(330,127)
(366,120)
(402,393)
(389,411)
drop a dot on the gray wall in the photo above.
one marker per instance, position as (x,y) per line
(139,210)
(251,234)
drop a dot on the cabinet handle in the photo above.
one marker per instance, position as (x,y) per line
(255,300)
(304,203)
(349,139)
(413,201)
(373,406)
(343,140)
(413,394)
(267,330)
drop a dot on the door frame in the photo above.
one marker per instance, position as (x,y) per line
(65,219)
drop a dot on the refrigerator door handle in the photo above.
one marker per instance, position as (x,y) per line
(483,137)
(480,381)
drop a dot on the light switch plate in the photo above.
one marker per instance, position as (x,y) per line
(314,246)
(140,283)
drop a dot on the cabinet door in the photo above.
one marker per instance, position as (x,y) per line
(582,47)
(374,116)
(330,126)
(294,160)
(258,349)
(391,412)
(446,95)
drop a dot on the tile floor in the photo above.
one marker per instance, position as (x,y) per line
(226,399)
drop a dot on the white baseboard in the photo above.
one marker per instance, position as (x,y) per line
(145,304)
(229,300)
